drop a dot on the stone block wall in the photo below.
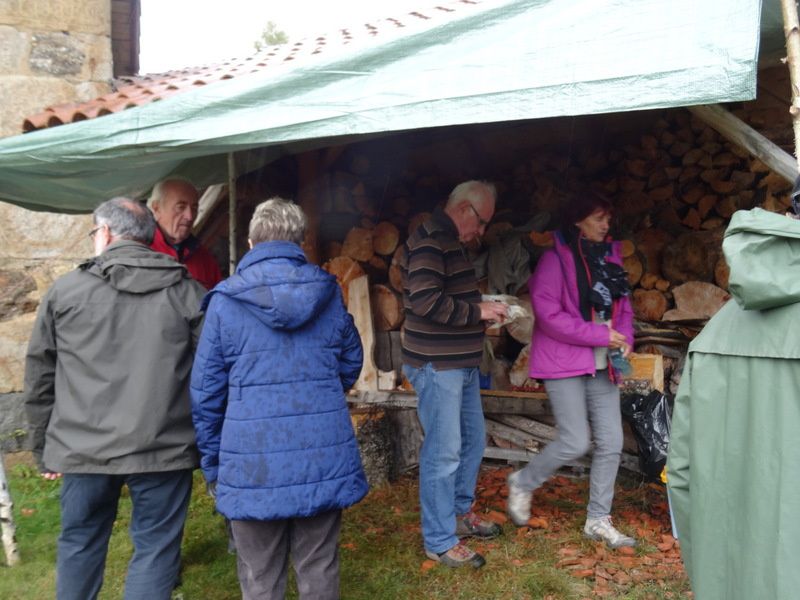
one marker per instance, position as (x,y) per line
(53,52)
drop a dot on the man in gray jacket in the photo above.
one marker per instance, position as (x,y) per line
(106,393)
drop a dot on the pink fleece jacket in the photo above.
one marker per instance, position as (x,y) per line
(562,344)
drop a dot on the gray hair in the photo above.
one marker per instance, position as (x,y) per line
(157,195)
(277,219)
(126,219)
(472,191)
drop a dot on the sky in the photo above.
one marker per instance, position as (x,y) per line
(186,33)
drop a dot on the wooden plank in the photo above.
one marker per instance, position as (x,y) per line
(517,406)
(647,367)
(513,394)
(741,134)
(492,403)
(358,306)
(395,399)
(628,462)
(515,436)
(539,431)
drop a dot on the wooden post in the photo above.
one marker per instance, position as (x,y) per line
(7,528)
(232,220)
(791,29)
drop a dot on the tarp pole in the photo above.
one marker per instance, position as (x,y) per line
(7,519)
(791,29)
(232,251)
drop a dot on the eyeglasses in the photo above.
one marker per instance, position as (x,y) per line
(481,221)
(94,231)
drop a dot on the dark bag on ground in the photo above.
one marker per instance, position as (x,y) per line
(649,417)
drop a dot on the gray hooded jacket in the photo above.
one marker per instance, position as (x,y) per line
(108,365)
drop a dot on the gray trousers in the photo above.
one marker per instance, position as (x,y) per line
(263,549)
(584,407)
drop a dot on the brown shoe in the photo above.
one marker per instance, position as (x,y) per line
(471,525)
(459,555)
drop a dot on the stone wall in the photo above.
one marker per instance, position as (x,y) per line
(53,52)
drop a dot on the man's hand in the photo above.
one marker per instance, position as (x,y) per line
(50,476)
(493,312)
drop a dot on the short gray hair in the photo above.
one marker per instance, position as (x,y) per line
(277,219)
(157,195)
(472,191)
(126,219)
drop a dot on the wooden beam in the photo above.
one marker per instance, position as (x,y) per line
(740,133)
(492,400)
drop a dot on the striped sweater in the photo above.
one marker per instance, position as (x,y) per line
(440,299)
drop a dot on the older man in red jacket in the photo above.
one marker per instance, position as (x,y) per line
(174,203)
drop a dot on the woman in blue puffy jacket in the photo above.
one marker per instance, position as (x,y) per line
(277,353)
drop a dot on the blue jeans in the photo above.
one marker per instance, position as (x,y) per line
(88,510)
(451,416)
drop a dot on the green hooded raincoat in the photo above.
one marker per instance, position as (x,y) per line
(734,460)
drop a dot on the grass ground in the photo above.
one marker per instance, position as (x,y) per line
(381,553)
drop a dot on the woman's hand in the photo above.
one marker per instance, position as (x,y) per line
(618,340)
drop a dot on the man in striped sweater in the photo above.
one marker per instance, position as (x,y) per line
(442,347)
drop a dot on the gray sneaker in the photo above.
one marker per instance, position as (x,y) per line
(459,555)
(601,529)
(471,525)
(518,505)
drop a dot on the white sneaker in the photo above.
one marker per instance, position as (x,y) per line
(518,505)
(601,529)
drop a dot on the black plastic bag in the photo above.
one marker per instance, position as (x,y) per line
(649,417)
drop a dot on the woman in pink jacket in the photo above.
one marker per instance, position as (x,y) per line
(580,296)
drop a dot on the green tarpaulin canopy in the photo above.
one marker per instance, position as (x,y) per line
(495,60)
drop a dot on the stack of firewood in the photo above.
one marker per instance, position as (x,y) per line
(674,188)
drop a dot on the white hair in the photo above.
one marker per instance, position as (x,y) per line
(277,219)
(472,191)
(157,195)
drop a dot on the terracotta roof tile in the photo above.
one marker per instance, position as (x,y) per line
(138,90)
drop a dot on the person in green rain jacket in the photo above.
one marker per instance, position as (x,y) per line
(734,461)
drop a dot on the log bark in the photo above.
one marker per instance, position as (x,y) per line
(649,305)
(696,300)
(691,257)
(358,244)
(633,266)
(385,238)
(395,269)
(387,308)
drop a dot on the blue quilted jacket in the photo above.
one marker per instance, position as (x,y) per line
(277,352)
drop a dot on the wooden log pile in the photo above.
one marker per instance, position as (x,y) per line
(674,187)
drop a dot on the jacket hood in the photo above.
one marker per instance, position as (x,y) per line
(134,268)
(278,285)
(763,252)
